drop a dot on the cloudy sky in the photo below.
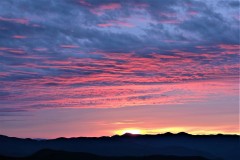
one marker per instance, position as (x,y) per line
(93,68)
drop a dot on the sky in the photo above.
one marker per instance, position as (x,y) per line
(71,68)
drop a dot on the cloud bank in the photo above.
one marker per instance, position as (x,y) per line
(111,53)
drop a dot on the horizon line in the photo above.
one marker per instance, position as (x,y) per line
(127,135)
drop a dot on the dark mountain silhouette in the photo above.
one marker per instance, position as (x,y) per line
(47,154)
(127,146)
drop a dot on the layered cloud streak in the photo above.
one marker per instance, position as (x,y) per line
(108,54)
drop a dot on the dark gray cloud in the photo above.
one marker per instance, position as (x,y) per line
(234,4)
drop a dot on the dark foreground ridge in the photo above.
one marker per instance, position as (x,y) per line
(137,147)
(48,154)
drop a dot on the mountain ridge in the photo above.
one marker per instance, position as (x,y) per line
(132,135)
(168,144)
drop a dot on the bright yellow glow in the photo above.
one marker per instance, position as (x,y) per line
(174,130)
(128,130)
(164,130)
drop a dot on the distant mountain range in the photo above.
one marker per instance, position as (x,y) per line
(137,147)
(47,154)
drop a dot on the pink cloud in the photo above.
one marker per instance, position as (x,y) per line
(105,24)
(12,50)
(229,46)
(4,48)
(15,20)
(182,81)
(110,6)
(19,37)
(117,96)
(236,17)
(3,74)
(69,46)
(83,2)
(105,7)
(225,49)
(17,51)
(40,49)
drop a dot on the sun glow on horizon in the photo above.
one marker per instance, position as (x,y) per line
(174,130)
(128,130)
